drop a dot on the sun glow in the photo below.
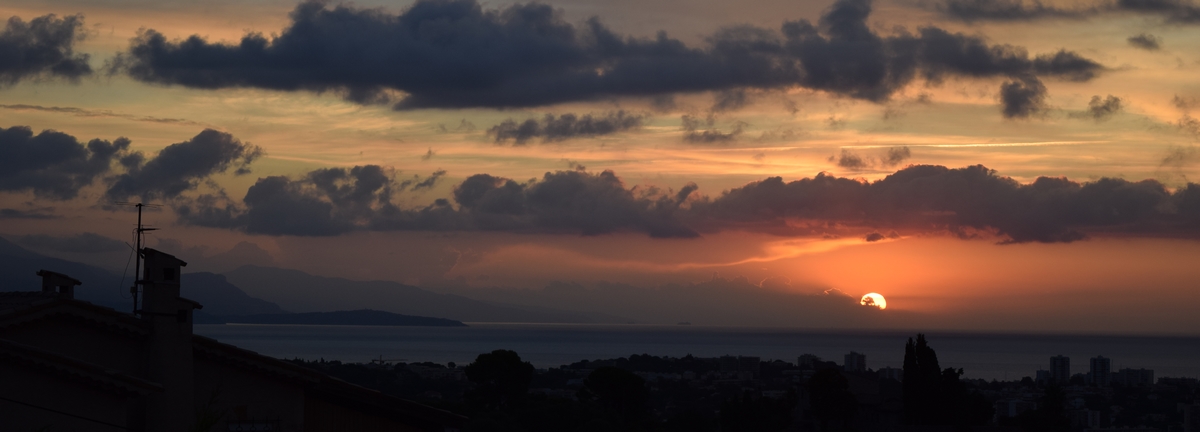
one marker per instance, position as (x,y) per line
(873,299)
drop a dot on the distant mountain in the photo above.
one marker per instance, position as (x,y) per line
(220,297)
(19,267)
(297,291)
(365,317)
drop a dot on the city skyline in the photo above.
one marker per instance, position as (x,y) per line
(978,168)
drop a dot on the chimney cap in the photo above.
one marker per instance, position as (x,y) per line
(62,277)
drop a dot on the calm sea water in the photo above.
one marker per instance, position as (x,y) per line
(981,355)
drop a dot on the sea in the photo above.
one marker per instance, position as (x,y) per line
(988,356)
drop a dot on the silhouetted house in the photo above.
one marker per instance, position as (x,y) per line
(70,365)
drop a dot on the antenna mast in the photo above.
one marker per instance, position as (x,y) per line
(137,268)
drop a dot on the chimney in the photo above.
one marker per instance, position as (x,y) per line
(170,362)
(58,283)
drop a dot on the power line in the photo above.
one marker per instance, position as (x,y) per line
(65,413)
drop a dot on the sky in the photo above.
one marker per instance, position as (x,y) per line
(984,164)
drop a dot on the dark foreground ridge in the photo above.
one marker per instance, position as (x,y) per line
(363,317)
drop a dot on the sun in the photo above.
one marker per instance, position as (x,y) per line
(873,299)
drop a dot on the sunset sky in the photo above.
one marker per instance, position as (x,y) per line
(984,164)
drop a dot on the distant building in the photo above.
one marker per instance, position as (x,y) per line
(1100,371)
(71,365)
(1013,407)
(1042,377)
(1134,377)
(1060,369)
(854,362)
(807,361)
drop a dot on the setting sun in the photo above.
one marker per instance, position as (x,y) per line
(874,299)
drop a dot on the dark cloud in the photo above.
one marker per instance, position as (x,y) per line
(889,158)
(1022,97)
(428,154)
(181,167)
(80,243)
(53,164)
(337,200)
(1101,109)
(456,54)
(851,160)
(972,198)
(1171,11)
(896,156)
(969,202)
(1145,41)
(874,237)
(703,131)
(42,48)
(553,128)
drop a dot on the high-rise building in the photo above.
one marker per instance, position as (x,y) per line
(1060,369)
(1100,371)
(1133,377)
(855,362)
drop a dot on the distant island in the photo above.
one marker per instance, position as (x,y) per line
(363,317)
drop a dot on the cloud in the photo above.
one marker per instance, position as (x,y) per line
(970,202)
(42,48)
(699,131)
(1101,109)
(42,213)
(81,112)
(553,128)
(974,198)
(338,200)
(1006,10)
(889,158)
(1145,41)
(80,243)
(1171,11)
(1023,97)
(457,54)
(181,167)
(53,164)
(874,237)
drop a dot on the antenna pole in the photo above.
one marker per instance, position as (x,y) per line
(137,267)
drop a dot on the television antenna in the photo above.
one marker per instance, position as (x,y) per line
(137,268)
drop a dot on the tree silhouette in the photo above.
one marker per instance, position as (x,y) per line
(499,376)
(935,396)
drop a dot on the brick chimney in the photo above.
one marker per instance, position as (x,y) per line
(170,348)
(58,283)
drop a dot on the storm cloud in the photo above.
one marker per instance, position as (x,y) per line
(53,164)
(181,167)
(44,47)
(553,128)
(457,54)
